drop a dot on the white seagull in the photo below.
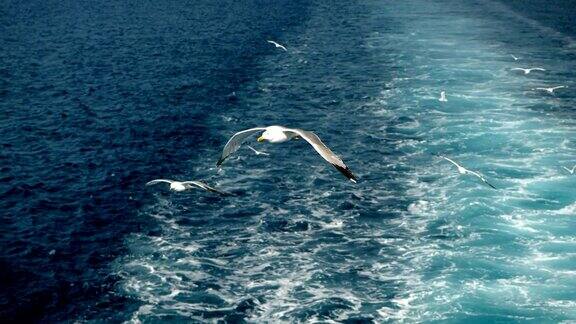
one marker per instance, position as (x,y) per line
(280,134)
(571,171)
(443,96)
(526,71)
(550,90)
(463,170)
(256,151)
(185,185)
(277,45)
(514,57)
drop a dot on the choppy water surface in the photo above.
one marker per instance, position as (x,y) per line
(148,95)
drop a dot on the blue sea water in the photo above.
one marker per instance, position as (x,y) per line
(96,99)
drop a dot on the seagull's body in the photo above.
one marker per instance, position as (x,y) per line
(280,134)
(462,170)
(550,90)
(185,185)
(277,45)
(571,171)
(527,71)
(514,57)
(256,151)
(442,96)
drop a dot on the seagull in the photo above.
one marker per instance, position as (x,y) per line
(185,185)
(280,134)
(550,90)
(463,170)
(526,71)
(514,57)
(443,96)
(256,151)
(570,171)
(277,45)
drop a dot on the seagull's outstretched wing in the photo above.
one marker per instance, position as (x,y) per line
(204,186)
(570,171)
(481,178)
(557,87)
(451,161)
(235,141)
(325,152)
(153,182)
(537,69)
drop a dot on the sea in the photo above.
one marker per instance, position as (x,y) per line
(99,97)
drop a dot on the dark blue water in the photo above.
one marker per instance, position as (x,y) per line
(96,99)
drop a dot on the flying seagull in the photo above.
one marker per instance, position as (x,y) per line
(526,71)
(463,170)
(550,90)
(185,185)
(443,96)
(256,151)
(280,134)
(514,57)
(277,45)
(571,171)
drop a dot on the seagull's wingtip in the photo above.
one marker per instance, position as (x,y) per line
(346,172)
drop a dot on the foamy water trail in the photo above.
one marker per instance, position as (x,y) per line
(413,241)
(478,246)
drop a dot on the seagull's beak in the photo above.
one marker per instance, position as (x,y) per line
(261,139)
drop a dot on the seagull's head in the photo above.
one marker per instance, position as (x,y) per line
(273,134)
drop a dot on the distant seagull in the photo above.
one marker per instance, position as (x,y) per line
(232,96)
(280,134)
(463,170)
(514,57)
(570,171)
(185,185)
(527,71)
(256,151)
(443,96)
(277,45)
(550,90)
